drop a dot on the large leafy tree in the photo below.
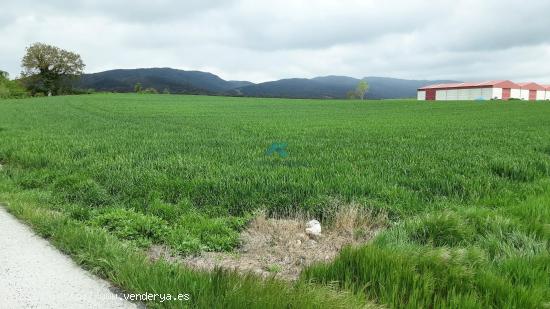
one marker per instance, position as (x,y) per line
(50,69)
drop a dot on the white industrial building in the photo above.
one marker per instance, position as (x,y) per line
(500,90)
(547,87)
(532,91)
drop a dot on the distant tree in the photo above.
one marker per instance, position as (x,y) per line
(50,69)
(352,95)
(17,90)
(10,88)
(359,93)
(362,89)
(137,87)
(4,91)
(166,91)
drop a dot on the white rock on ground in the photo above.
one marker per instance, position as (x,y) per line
(313,228)
(33,274)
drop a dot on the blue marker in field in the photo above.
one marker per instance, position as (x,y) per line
(279,148)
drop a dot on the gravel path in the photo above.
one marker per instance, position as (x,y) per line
(33,274)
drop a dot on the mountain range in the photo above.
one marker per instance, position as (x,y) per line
(197,82)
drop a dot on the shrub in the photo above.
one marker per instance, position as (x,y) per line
(4,91)
(11,89)
(150,91)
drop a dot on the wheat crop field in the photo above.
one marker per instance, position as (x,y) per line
(465,187)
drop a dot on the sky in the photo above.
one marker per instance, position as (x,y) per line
(257,40)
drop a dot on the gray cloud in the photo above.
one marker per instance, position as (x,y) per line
(263,40)
(139,11)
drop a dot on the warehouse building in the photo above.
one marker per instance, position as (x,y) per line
(532,91)
(500,90)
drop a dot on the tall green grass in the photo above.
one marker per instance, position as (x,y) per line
(476,258)
(188,172)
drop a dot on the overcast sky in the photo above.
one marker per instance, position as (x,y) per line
(264,40)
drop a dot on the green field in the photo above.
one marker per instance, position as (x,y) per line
(465,184)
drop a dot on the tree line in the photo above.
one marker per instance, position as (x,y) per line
(49,70)
(138,88)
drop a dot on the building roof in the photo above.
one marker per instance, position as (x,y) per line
(486,84)
(547,87)
(531,86)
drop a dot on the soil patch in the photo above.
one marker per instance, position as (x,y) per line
(280,247)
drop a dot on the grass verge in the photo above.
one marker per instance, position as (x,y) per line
(128,268)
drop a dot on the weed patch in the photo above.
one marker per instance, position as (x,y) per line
(194,232)
(131,225)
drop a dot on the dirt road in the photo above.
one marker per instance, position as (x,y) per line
(33,274)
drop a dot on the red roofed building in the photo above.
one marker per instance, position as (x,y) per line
(532,91)
(547,92)
(498,89)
